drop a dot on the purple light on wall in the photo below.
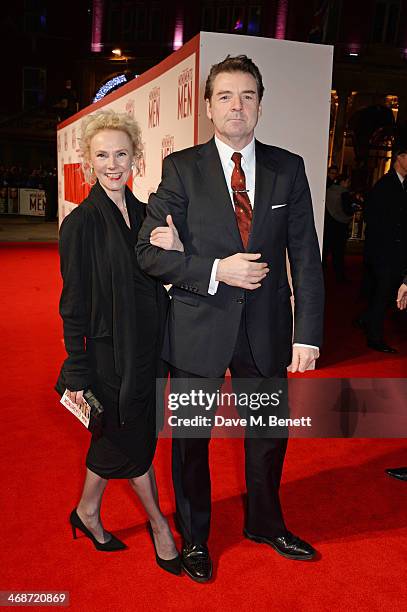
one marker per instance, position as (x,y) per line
(281,19)
(238,25)
(353,49)
(178,40)
(97,25)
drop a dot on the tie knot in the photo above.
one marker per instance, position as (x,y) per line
(237,158)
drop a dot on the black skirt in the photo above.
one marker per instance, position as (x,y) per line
(127,451)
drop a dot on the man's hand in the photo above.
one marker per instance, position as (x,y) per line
(76,397)
(402,297)
(167,237)
(242,270)
(303,357)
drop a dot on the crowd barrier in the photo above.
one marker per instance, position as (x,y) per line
(22,201)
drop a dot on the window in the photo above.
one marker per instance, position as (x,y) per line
(333,21)
(156,24)
(127,24)
(35,16)
(223,19)
(114,25)
(140,22)
(34,84)
(237,17)
(207,19)
(254,20)
(385,21)
(131,22)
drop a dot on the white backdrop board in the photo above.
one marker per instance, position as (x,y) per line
(167,101)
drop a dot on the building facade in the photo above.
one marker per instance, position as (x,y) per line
(58,59)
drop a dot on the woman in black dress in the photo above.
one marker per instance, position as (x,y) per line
(113,317)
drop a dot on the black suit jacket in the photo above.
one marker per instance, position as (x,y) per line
(386,224)
(201,328)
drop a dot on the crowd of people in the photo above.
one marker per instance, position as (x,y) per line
(20,176)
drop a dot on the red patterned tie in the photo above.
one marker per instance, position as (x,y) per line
(243,209)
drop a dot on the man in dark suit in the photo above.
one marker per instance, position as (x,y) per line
(385,246)
(239,206)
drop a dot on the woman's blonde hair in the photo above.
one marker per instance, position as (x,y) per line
(106,120)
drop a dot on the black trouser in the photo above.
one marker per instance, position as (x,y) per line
(264,458)
(383,284)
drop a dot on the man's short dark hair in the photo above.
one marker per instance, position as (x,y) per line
(399,149)
(240,63)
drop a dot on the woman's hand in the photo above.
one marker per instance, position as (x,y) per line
(76,396)
(167,237)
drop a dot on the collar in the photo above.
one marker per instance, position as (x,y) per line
(226,152)
(401,178)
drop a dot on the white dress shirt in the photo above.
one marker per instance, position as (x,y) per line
(249,168)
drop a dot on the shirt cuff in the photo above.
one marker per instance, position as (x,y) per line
(213,283)
(306,345)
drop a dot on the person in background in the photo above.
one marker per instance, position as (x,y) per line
(113,318)
(385,246)
(339,208)
(332,175)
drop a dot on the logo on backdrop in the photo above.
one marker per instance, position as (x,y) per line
(141,162)
(73,137)
(185,80)
(66,140)
(130,107)
(59,143)
(167,146)
(154,108)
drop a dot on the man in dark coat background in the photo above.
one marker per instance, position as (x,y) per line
(239,207)
(385,246)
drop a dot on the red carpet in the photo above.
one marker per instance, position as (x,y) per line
(334,492)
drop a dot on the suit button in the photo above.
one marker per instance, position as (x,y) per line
(240,300)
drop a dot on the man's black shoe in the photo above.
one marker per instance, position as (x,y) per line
(400,473)
(196,562)
(288,545)
(381,346)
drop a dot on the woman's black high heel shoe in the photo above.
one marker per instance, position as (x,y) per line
(169,565)
(112,545)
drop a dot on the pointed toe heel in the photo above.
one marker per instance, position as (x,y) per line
(173,566)
(112,545)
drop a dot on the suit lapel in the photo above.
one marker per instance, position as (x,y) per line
(266,173)
(213,182)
